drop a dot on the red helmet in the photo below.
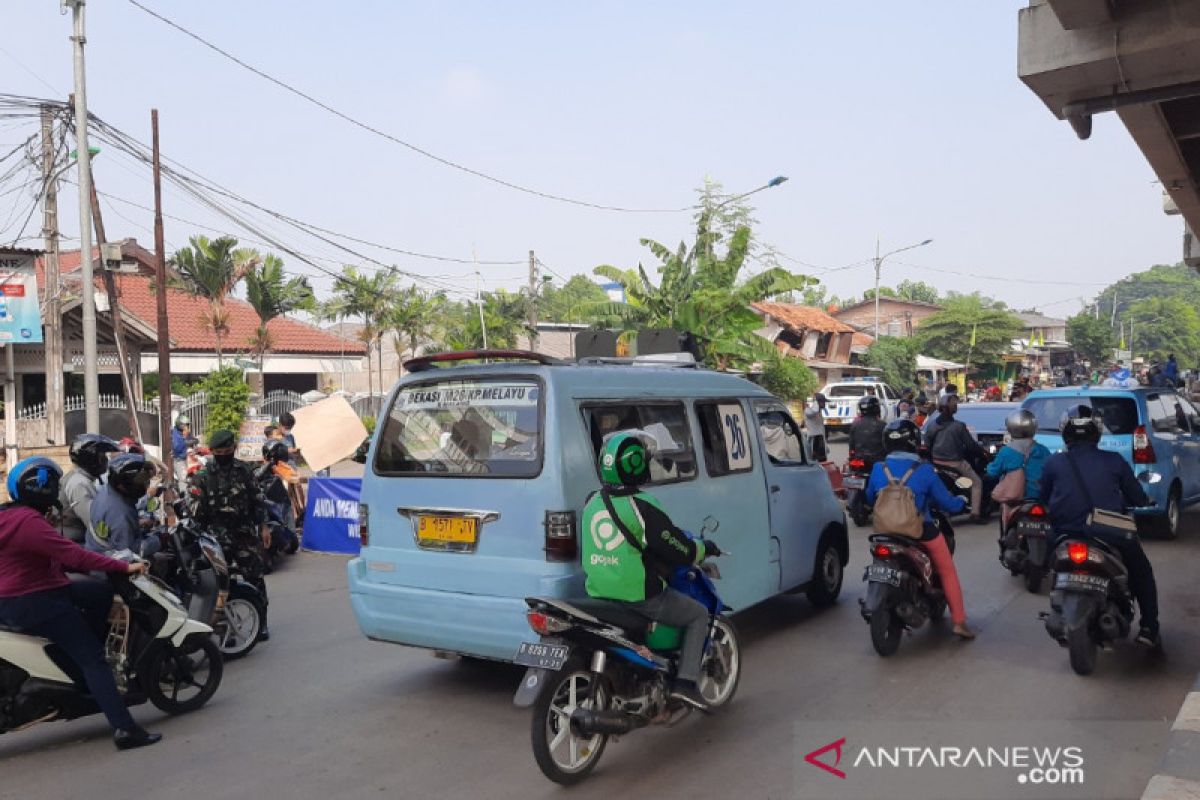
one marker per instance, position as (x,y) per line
(130,445)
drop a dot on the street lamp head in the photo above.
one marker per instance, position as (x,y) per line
(927,241)
(778,179)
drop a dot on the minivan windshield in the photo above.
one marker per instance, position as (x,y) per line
(1120,414)
(484,427)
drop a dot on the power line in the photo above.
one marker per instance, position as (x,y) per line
(1005,279)
(384,135)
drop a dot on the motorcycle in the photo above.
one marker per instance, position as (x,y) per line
(1023,544)
(283,539)
(855,475)
(191,562)
(1090,605)
(961,486)
(156,651)
(602,670)
(903,588)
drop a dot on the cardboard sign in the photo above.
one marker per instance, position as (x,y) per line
(327,432)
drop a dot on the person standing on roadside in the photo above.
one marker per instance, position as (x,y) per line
(814,423)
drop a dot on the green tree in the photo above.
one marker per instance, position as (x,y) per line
(576,301)
(367,296)
(896,357)
(917,290)
(884,291)
(503,314)
(948,333)
(228,395)
(272,294)
(699,292)
(1164,325)
(1091,338)
(212,269)
(414,317)
(788,378)
(1161,280)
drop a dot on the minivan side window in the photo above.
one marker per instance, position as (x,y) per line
(1166,415)
(1192,414)
(780,435)
(725,437)
(673,460)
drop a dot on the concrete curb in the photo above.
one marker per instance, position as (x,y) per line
(1178,775)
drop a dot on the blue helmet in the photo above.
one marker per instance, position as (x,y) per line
(34,482)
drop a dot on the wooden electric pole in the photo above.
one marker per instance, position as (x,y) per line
(160,280)
(56,426)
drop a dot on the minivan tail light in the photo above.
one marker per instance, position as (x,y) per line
(364,533)
(1143,451)
(560,536)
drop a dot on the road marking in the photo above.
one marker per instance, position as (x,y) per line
(1164,787)
(1189,714)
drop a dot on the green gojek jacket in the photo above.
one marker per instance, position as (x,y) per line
(615,569)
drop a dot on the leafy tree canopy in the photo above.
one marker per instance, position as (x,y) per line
(1091,338)
(788,378)
(917,290)
(947,333)
(1165,325)
(578,300)
(897,357)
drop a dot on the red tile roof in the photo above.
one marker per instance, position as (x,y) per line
(802,318)
(188,332)
(861,339)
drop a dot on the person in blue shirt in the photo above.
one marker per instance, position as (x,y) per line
(1021,451)
(1171,369)
(901,438)
(181,436)
(1110,485)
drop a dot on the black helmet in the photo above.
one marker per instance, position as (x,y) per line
(274,450)
(868,405)
(901,434)
(34,483)
(129,474)
(90,452)
(1078,424)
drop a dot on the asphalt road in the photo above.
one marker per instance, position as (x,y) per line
(320,712)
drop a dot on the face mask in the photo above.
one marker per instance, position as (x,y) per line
(224,460)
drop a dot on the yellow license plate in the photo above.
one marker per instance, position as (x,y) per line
(447,529)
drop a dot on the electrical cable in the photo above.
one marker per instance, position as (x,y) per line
(389,137)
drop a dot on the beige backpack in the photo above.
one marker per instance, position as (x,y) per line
(896,509)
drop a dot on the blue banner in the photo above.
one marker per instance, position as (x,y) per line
(331,518)
(20,313)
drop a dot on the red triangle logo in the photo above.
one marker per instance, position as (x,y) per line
(836,747)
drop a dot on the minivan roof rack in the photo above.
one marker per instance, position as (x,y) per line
(422,363)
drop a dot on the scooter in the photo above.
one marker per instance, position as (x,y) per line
(1090,605)
(601,670)
(1023,544)
(903,588)
(157,653)
(855,475)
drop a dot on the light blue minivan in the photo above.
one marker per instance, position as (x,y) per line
(478,472)
(1155,429)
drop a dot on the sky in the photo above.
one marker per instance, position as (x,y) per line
(896,121)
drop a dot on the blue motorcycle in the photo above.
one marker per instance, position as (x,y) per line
(601,669)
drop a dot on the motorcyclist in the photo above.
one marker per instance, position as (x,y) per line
(226,496)
(901,438)
(952,446)
(1021,451)
(1110,485)
(115,520)
(866,434)
(89,453)
(275,477)
(37,598)
(631,547)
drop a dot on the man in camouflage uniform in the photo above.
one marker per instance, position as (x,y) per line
(227,500)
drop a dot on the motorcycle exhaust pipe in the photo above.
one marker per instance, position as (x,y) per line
(589,722)
(1109,625)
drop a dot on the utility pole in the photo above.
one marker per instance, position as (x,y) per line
(114,310)
(878,264)
(160,280)
(91,377)
(55,415)
(533,300)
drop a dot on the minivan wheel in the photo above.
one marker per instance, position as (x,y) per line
(826,582)
(1168,523)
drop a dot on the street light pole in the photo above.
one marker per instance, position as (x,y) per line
(91,378)
(771,184)
(879,264)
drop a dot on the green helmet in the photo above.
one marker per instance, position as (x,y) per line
(625,458)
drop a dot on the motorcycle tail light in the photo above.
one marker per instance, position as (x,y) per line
(544,624)
(1077,552)
(857,463)
(364,532)
(882,551)
(1037,511)
(1143,451)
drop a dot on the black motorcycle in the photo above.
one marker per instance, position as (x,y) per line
(958,485)
(855,475)
(1024,542)
(903,588)
(1090,605)
(284,540)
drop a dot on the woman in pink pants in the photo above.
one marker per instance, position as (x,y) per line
(901,438)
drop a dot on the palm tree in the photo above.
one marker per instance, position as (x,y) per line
(211,269)
(414,317)
(368,296)
(273,295)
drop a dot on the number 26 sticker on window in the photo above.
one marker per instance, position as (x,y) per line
(733,425)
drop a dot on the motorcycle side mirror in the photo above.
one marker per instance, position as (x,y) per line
(711,524)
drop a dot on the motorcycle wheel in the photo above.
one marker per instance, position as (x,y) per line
(182,679)
(722,666)
(242,623)
(563,756)
(1083,651)
(886,630)
(1033,579)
